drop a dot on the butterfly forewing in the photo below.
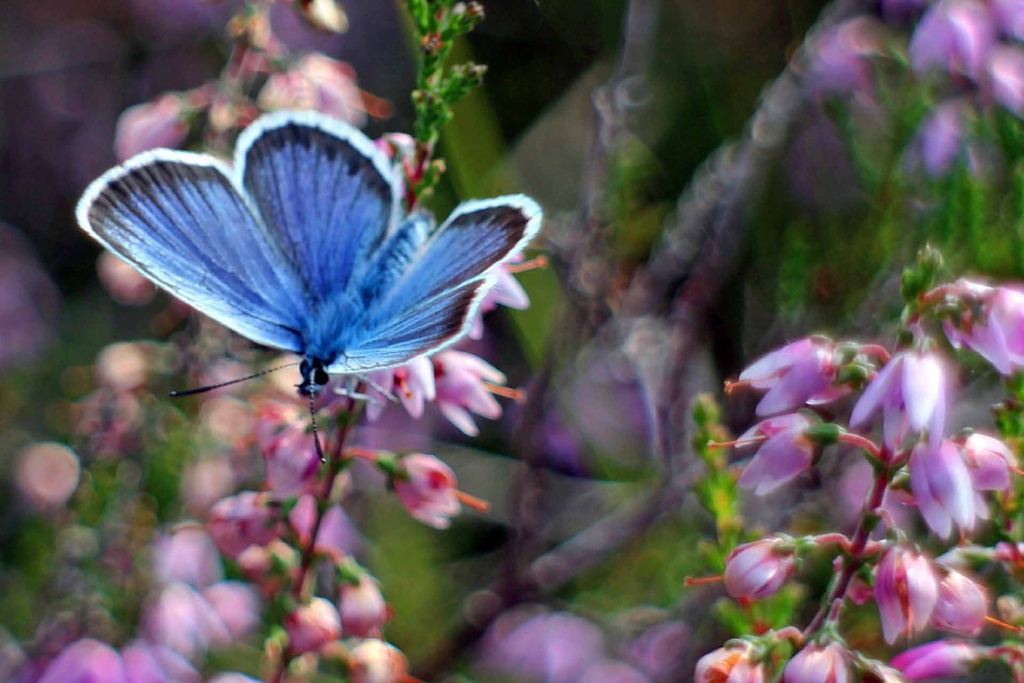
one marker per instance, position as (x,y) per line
(179,219)
(325,193)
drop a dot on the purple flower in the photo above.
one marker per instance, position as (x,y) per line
(362,608)
(506,291)
(611,671)
(337,536)
(906,591)
(85,661)
(758,569)
(549,647)
(997,335)
(464,386)
(188,555)
(237,606)
(798,373)
(427,489)
(149,125)
(784,454)
(1009,16)
(955,35)
(412,383)
(242,520)
(150,663)
(962,606)
(910,391)
(940,140)
(940,659)
(182,620)
(815,664)
(1006,71)
(942,487)
(660,650)
(840,61)
(312,626)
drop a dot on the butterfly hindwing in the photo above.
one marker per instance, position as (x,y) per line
(326,194)
(179,219)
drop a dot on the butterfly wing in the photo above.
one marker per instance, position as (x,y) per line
(181,221)
(325,192)
(432,302)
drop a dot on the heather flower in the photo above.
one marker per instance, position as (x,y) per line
(815,664)
(123,282)
(728,665)
(1006,74)
(782,456)
(939,659)
(362,607)
(149,125)
(940,140)
(426,487)
(758,569)
(989,462)
(942,487)
(337,536)
(233,677)
(374,661)
(312,626)
(910,392)
(237,606)
(237,522)
(551,647)
(320,83)
(840,61)
(181,619)
(1009,15)
(660,649)
(998,334)
(954,35)
(85,661)
(506,291)
(188,555)
(150,663)
(961,607)
(611,671)
(799,373)
(47,475)
(412,383)
(906,591)
(290,460)
(463,388)
(902,10)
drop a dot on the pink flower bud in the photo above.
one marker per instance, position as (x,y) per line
(412,383)
(962,606)
(150,125)
(939,659)
(798,373)
(236,604)
(758,569)
(182,620)
(312,626)
(374,661)
(906,591)
(85,661)
(291,463)
(815,664)
(188,555)
(47,475)
(362,607)
(320,83)
(462,388)
(840,60)
(728,665)
(337,536)
(150,663)
(955,35)
(997,335)
(242,520)
(989,462)
(426,487)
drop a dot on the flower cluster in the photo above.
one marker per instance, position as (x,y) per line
(949,478)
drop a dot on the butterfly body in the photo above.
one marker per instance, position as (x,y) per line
(302,245)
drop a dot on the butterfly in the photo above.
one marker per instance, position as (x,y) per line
(303,245)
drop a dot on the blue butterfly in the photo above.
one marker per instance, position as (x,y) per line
(303,245)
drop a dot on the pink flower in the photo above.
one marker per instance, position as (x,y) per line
(188,555)
(989,461)
(783,455)
(939,659)
(955,35)
(412,383)
(1009,16)
(1006,71)
(312,626)
(612,671)
(998,333)
(150,663)
(506,291)
(426,487)
(125,285)
(942,487)
(242,520)
(237,606)
(374,661)
(320,83)
(85,661)
(728,665)
(337,536)
(815,664)
(906,591)
(362,607)
(182,620)
(962,606)
(47,475)
(910,391)
(150,125)
(758,569)
(552,647)
(798,373)
(462,388)
(290,460)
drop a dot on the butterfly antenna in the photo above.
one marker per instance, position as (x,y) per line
(316,434)
(203,390)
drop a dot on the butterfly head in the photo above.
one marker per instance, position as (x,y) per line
(314,376)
